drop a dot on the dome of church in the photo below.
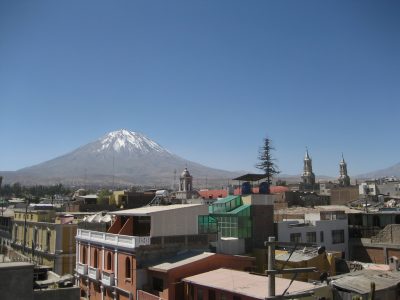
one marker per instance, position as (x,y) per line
(185,173)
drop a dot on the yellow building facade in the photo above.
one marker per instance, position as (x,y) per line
(46,239)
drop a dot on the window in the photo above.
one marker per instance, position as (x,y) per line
(128,268)
(338,236)
(84,255)
(321,236)
(16,233)
(223,297)
(95,258)
(48,239)
(295,237)
(35,237)
(108,261)
(158,284)
(191,292)
(311,237)
(376,221)
(199,294)
(211,294)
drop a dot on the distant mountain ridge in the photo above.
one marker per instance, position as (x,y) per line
(387,172)
(120,157)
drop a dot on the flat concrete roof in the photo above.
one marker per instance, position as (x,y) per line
(360,281)
(244,283)
(316,209)
(180,260)
(148,210)
(16,265)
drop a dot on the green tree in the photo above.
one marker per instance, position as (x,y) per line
(266,160)
(103,197)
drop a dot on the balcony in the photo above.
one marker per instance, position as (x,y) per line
(82,269)
(107,278)
(93,273)
(114,240)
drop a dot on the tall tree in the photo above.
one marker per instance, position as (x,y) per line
(266,160)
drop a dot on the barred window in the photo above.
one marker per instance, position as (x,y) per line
(338,236)
(295,237)
(311,237)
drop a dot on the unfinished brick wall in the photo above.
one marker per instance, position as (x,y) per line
(389,235)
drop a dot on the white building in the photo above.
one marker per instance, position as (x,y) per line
(326,228)
(368,188)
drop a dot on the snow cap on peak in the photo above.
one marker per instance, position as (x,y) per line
(124,139)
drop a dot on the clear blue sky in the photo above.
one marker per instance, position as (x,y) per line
(205,79)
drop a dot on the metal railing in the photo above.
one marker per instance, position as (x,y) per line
(118,240)
(107,278)
(93,273)
(82,269)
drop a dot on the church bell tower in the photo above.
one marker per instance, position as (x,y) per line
(308,176)
(344,179)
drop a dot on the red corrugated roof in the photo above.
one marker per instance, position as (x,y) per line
(213,194)
(273,189)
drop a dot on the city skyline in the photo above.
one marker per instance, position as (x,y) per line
(208,81)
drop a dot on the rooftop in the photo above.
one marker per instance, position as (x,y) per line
(179,260)
(251,177)
(225,200)
(246,284)
(213,194)
(91,196)
(16,265)
(316,209)
(273,189)
(360,281)
(297,256)
(148,210)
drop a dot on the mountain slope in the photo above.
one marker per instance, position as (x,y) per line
(387,172)
(122,156)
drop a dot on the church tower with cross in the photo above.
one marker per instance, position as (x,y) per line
(344,179)
(308,176)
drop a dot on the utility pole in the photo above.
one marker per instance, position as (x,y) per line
(26,213)
(271,264)
(271,272)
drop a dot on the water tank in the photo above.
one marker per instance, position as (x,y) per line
(246,188)
(264,188)
(394,263)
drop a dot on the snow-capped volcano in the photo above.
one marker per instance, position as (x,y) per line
(125,140)
(121,157)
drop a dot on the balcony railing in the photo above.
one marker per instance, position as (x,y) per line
(108,278)
(82,269)
(118,240)
(93,273)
